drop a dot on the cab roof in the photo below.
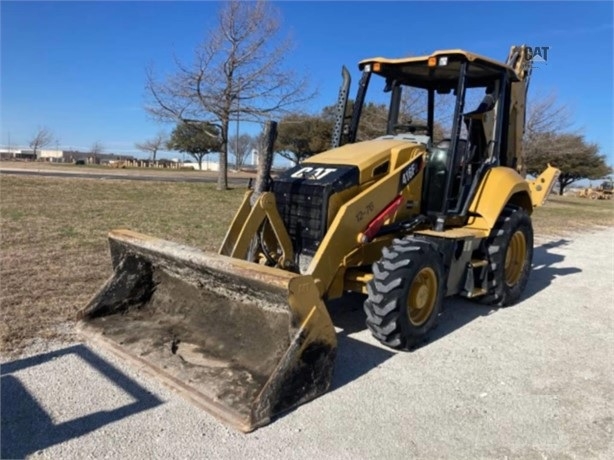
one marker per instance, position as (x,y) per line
(415,71)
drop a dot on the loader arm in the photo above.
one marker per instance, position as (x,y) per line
(245,226)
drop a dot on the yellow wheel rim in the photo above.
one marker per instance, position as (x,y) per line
(515,258)
(422,296)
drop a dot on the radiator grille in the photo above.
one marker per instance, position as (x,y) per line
(302,195)
(303,208)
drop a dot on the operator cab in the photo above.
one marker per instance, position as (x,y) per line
(427,103)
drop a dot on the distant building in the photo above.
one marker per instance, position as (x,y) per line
(17,154)
(8,154)
(62,156)
(50,155)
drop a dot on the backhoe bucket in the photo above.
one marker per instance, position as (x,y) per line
(241,340)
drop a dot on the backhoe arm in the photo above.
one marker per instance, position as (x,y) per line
(517,59)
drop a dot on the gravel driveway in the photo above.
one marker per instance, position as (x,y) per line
(532,381)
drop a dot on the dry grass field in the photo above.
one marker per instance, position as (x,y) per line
(124,171)
(53,245)
(563,215)
(54,252)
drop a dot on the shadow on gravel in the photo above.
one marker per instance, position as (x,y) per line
(27,428)
(458,311)
(354,357)
(543,272)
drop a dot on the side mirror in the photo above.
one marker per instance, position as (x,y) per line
(390,83)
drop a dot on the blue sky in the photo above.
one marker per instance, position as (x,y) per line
(78,68)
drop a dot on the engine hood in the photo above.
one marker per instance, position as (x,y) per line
(373,158)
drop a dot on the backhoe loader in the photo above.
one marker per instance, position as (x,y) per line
(406,218)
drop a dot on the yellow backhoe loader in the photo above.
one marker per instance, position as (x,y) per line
(407,218)
(603,192)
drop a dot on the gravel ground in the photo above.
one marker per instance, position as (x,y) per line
(532,381)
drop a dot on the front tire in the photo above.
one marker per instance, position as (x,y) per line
(510,254)
(405,294)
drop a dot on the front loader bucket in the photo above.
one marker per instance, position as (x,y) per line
(241,340)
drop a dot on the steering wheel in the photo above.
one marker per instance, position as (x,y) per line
(410,128)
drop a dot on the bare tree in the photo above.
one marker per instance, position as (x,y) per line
(549,138)
(97,148)
(153,145)
(546,120)
(42,138)
(240,148)
(546,115)
(237,72)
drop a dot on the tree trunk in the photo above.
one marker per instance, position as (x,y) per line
(564,181)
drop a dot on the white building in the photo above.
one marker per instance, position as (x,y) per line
(51,155)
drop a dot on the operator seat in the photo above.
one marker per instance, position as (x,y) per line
(470,154)
(475,130)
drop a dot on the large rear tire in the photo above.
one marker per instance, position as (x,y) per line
(510,254)
(405,294)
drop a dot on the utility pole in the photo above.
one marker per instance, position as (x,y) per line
(238,116)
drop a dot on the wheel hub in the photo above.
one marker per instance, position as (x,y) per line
(515,258)
(422,296)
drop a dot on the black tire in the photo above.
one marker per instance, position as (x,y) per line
(406,269)
(505,285)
